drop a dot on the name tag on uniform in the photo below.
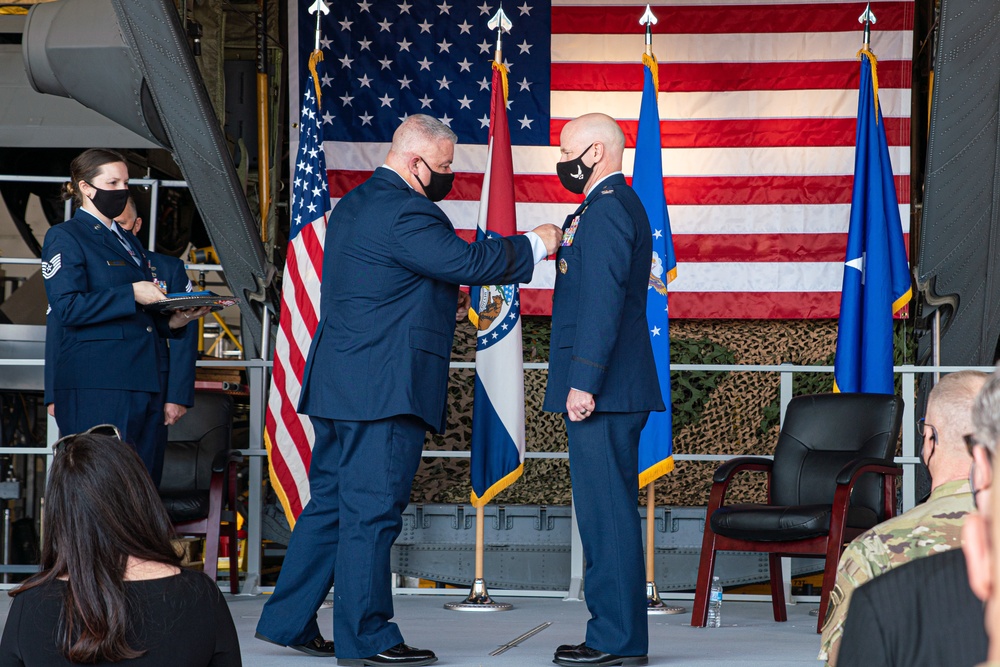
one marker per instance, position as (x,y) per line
(567,239)
(116,262)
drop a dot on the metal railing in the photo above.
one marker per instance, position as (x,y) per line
(258,379)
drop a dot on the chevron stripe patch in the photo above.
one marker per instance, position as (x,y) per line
(50,269)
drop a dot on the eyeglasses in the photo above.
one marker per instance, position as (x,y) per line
(971,442)
(923,427)
(109,430)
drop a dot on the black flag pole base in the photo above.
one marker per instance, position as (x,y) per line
(479,600)
(654,605)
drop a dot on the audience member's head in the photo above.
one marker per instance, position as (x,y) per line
(102,517)
(948,420)
(977,540)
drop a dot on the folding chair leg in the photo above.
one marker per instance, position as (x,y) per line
(777,588)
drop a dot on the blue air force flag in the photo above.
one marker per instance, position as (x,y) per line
(656,444)
(876,273)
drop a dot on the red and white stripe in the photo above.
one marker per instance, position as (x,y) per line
(758,107)
(300,308)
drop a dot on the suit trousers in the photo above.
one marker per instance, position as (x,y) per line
(359,484)
(137,414)
(604,468)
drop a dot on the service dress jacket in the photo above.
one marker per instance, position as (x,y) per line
(107,341)
(600,337)
(391,270)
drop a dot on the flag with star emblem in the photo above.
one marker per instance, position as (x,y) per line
(498,403)
(876,272)
(656,443)
(288,435)
(757,114)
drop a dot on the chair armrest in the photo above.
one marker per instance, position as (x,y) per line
(725,471)
(852,469)
(225,458)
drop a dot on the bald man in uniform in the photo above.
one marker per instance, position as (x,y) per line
(603,379)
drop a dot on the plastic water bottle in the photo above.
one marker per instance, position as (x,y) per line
(715,604)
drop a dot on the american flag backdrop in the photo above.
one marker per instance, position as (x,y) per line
(758,108)
(289,436)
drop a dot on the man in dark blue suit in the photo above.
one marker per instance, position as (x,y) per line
(176,357)
(375,380)
(602,377)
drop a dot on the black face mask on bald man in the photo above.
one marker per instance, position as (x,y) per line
(574,174)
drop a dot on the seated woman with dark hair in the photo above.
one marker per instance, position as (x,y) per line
(111,589)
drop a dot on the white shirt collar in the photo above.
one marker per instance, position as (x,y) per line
(385,166)
(95,218)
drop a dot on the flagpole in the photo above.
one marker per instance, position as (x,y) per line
(479,597)
(654,605)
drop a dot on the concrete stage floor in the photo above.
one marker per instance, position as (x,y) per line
(749,637)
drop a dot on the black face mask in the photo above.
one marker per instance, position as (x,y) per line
(111,203)
(438,187)
(574,174)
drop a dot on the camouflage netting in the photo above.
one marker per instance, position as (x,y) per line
(714,413)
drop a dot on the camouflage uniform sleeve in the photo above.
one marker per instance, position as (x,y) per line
(861,562)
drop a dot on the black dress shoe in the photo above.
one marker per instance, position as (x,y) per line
(569,647)
(584,655)
(317,647)
(400,654)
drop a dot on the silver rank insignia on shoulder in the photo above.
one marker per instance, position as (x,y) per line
(563,266)
(607,191)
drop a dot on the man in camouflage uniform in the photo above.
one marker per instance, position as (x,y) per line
(929,528)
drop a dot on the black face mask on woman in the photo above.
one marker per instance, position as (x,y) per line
(111,203)
(439,185)
(574,174)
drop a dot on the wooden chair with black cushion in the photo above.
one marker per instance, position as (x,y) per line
(198,486)
(832,478)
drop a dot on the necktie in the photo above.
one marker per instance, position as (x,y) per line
(128,248)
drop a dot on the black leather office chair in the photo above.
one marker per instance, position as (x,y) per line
(198,486)
(831,479)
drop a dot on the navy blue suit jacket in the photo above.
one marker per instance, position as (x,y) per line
(600,338)
(391,270)
(107,341)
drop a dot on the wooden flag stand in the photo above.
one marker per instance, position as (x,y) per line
(479,597)
(654,605)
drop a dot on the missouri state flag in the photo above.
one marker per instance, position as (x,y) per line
(876,272)
(498,404)
(656,442)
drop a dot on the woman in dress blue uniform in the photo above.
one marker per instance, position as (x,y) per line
(97,279)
